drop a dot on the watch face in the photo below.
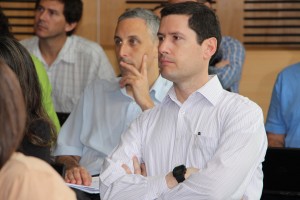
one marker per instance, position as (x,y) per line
(179,172)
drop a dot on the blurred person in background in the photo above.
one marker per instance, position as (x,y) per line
(5,30)
(40,133)
(282,124)
(22,177)
(72,62)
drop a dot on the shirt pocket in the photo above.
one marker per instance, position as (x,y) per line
(203,148)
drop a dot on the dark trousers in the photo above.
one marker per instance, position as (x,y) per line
(81,195)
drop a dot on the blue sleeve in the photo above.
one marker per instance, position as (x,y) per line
(275,121)
(233,51)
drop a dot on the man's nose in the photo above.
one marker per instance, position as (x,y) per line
(42,15)
(123,50)
(163,47)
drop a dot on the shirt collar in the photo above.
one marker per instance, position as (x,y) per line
(66,53)
(160,88)
(211,91)
(36,50)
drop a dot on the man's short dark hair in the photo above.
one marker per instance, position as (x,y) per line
(202,19)
(72,11)
(204,1)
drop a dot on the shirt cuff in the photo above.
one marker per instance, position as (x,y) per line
(62,150)
(156,186)
(112,172)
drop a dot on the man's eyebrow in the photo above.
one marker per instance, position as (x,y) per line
(160,34)
(53,10)
(133,36)
(177,33)
(116,37)
(172,33)
(128,37)
(49,9)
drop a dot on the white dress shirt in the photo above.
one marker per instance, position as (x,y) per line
(219,132)
(95,125)
(78,63)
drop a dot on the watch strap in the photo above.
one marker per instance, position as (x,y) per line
(179,172)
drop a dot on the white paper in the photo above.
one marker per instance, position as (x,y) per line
(92,189)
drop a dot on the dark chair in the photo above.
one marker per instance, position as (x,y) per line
(59,168)
(62,117)
(281,174)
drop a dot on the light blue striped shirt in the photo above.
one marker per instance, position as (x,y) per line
(230,75)
(95,126)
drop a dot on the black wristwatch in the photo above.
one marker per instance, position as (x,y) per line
(179,172)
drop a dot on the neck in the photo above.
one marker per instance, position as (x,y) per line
(50,48)
(153,75)
(184,89)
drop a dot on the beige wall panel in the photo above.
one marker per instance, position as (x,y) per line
(147,6)
(230,16)
(17,29)
(260,72)
(21,21)
(274,30)
(22,37)
(276,22)
(90,22)
(109,13)
(272,14)
(17,4)
(275,39)
(110,52)
(274,5)
(19,13)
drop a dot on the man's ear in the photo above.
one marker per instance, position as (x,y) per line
(70,27)
(210,45)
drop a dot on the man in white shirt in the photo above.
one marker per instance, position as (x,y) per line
(107,108)
(72,62)
(201,142)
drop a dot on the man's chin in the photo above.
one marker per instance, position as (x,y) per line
(40,35)
(165,74)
